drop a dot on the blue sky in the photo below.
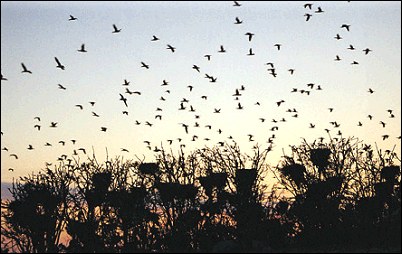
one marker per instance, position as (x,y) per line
(36,32)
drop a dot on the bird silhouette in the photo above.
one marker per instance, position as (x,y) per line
(61,87)
(291,71)
(103,129)
(185,126)
(3,78)
(195,67)
(338,37)
(250,52)
(126,83)
(250,35)
(30,147)
(337,58)
(24,69)
(79,106)
(125,113)
(82,49)
(37,118)
(217,110)
(237,4)
(14,155)
(59,65)
(154,38)
(319,10)
(354,63)
(351,47)
(165,83)
(308,6)
(280,102)
(384,137)
(144,65)
(148,124)
(190,87)
(239,106)
(383,124)
(115,29)
(238,21)
(278,46)
(94,114)
(308,16)
(72,18)
(53,124)
(48,144)
(92,103)
(122,98)
(360,124)
(222,50)
(11,169)
(158,116)
(346,26)
(367,50)
(171,48)
(124,150)
(62,142)
(371,91)
(208,57)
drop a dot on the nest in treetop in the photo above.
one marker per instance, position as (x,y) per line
(390,173)
(245,179)
(176,191)
(217,180)
(320,157)
(149,168)
(295,172)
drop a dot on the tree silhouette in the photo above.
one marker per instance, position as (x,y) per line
(341,193)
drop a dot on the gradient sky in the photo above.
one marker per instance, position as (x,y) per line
(36,32)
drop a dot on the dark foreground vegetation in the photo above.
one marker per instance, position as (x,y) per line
(336,196)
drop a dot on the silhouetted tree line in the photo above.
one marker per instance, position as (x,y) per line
(327,196)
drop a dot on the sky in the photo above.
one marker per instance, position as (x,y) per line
(34,33)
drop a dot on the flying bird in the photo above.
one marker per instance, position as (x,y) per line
(171,48)
(250,35)
(3,78)
(154,38)
(94,114)
(115,29)
(61,87)
(319,10)
(79,106)
(195,67)
(250,52)
(144,65)
(82,49)
(59,65)
(291,71)
(280,102)
(24,69)
(208,57)
(367,50)
(103,129)
(72,18)
(122,98)
(345,26)
(222,50)
(337,58)
(238,21)
(308,16)
(237,4)
(30,147)
(308,6)
(338,37)
(14,155)
(53,124)
(371,90)
(278,46)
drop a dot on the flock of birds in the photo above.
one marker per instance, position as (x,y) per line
(186,105)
